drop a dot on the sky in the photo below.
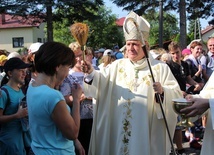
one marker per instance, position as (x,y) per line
(115,9)
(120,13)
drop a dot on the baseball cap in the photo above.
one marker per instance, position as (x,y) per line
(154,54)
(116,47)
(34,47)
(108,52)
(3,58)
(15,63)
(13,55)
(101,50)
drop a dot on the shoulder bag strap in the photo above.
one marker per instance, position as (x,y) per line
(8,97)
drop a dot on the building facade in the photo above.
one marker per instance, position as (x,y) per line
(17,32)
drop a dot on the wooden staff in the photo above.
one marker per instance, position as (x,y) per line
(159,100)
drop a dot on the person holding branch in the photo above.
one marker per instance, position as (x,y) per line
(127,117)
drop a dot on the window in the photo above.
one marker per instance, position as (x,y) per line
(39,40)
(18,42)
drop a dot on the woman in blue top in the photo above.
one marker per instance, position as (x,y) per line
(11,134)
(53,126)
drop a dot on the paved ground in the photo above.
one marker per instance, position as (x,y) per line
(191,151)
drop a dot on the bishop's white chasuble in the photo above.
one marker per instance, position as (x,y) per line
(127,119)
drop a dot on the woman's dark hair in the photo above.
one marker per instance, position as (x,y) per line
(51,55)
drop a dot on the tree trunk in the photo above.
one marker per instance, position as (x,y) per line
(161,23)
(49,22)
(183,28)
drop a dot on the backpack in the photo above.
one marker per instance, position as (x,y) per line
(8,100)
(8,97)
(118,55)
(24,121)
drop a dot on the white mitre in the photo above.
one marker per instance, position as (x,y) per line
(136,28)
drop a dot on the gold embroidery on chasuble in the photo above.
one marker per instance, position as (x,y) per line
(126,132)
(132,83)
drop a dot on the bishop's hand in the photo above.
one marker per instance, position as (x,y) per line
(86,67)
(158,88)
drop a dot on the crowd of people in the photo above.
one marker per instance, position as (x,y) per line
(192,68)
(108,102)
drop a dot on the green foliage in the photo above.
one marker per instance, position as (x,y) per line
(194,28)
(177,38)
(200,9)
(103,31)
(62,32)
(190,37)
(78,10)
(170,28)
(38,7)
(22,51)
(63,9)
(195,8)
(211,22)
(191,26)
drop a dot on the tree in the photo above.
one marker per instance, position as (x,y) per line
(183,27)
(61,32)
(194,29)
(204,9)
(169,26)
(103,31)
(44,9)
(191,29)
(211,22)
